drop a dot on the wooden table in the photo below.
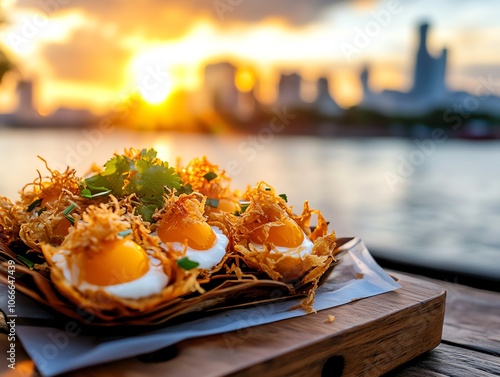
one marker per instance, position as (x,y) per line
(471,337)
(470,344)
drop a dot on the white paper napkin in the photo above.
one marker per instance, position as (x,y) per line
(56,351)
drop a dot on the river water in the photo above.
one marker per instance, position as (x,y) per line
(433,203)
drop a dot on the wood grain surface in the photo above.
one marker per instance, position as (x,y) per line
(471,337)
(369,337)
(447,360)
(470,345)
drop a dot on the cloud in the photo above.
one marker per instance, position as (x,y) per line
(88,56)
(165,19)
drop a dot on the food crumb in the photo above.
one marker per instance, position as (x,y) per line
(330,318)
(359,275)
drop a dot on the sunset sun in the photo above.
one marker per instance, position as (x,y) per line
(153,77)
(158,91)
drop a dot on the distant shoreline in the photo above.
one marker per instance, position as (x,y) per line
(328,129)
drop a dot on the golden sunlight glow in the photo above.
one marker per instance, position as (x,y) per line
(244,80)
(8,3)
(8,94)
(346,88)
(159,70)
(96,98)
(26,31)
(386,77)
(164,149)
(167,69)
(157,94)
(152,77)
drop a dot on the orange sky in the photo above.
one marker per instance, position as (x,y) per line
(92,54)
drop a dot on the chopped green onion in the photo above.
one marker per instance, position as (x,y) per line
(97,188)
(268,188)
(35,204)
(125,233)
(67,212)
(26,261)
(212,202)
(243,206)
(284,197)
(185,189)
(210,175)
(187,264)
(87,194)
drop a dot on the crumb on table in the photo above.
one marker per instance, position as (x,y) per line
(330,318)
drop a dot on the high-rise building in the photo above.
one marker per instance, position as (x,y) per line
(220,88)
(25,106)
(429,74)
(365,81)
(429,84)
(289,91)
(368,96)
(325,104)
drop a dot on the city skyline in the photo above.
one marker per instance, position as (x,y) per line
(227,92)
(80,56)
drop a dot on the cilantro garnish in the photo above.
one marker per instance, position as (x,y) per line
(145,175)
(187,264)
(210,175)
(147,211)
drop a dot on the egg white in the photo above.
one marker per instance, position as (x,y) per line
(152,282)
(305,248)
(208,258)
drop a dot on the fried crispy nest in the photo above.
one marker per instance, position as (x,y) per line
(266,210)
(207,179)
(182,209)
(194,174)
(187,209)
(46,230)
(100,224)
(37,217)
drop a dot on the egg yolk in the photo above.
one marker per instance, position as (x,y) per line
(118,262)
(288,234)
(199,235)
(225,205)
